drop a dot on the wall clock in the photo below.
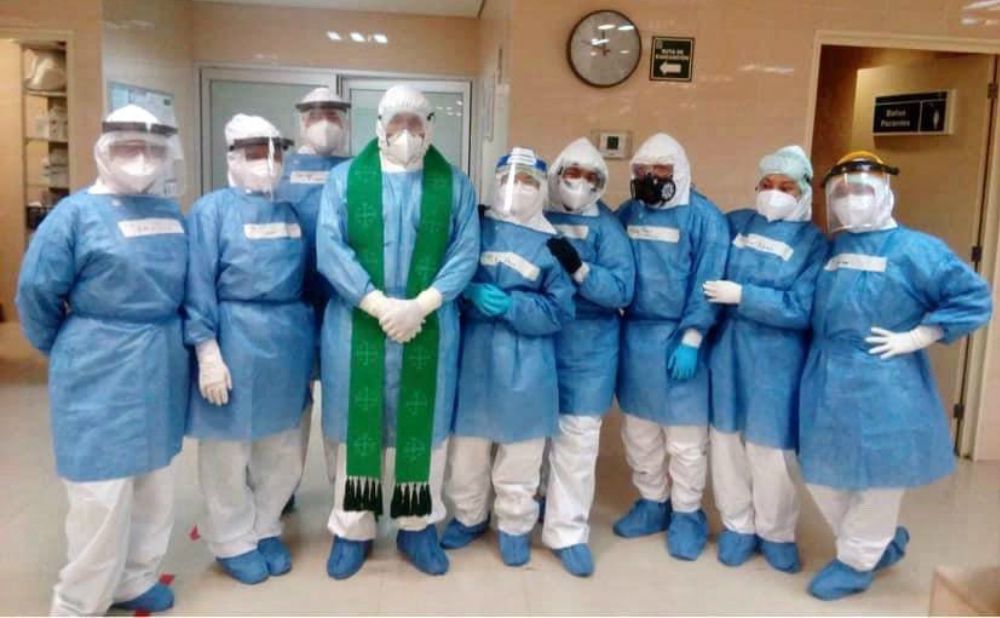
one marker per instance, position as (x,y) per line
(604,48)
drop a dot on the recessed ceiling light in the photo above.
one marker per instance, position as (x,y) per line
(357,37)
(606,27)
(333,36)
(380,38)
(626,27)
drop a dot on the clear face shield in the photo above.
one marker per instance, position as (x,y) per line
(577,187)
(521,189)
(136,158)
(255,164)
(324,126)
(858,201)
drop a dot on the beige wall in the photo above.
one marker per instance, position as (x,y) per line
(734,111)
(228,33)
(11,173)
(150,44)
(492,90)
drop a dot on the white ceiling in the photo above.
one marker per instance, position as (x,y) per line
(457,8)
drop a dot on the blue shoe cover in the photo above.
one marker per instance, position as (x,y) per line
(687,535)
(644,518)
(279,561)
(159,598)
(736,548)
(515,549)
(837,580)
(423,550)
(895,550)
(781,556)
(457,535)
(577,559)
(248,568)
(347,557)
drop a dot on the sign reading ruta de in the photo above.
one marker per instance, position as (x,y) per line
(671,59)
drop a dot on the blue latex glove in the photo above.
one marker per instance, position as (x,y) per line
(683,362)
(488,298)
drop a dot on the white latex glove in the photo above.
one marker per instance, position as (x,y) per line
(887,344)
(723,292)
(403,319)
(374,304)
(214,380)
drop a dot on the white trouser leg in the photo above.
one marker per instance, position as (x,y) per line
(646,453)
(688,449)
(439,458)
(731,482)
(98,534)
(149,533)
(468,485)
(545,474)
(867,522)
(775,500)
(516,470)
(572,464)
(361,525)
(330,456)
(228,527)
(274,471)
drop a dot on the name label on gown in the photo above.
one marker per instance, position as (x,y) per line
(764,245)
(134,228)
(579,232)
(302,177)
(654,233)
(857,261)
(270,231)
(512,260)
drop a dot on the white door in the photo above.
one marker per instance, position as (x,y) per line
(271,93)
(449,98)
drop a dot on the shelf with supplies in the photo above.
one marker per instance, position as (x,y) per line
(45,133)
(35,138)
(48,94)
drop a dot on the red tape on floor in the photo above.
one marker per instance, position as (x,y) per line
(166,579)
(194,535)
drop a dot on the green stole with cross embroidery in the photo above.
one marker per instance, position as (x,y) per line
(418,384)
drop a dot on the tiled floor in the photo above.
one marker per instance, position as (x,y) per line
(955,522)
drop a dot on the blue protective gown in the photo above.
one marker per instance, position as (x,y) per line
(99,292)
(587,347)
(401,194)
(871,423)
(244,289)
(302,182)
(676,251)
(507,388)
(760,346)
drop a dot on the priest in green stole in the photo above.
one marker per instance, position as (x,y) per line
(398,239)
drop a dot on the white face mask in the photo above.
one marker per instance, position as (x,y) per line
(575,194)
(135,174)
(857,212)
(260,177)
(405,148)
(522,203)
(776,205)
(325,137)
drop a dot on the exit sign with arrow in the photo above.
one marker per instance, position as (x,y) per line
(671,59)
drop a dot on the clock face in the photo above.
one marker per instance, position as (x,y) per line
(604,48)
